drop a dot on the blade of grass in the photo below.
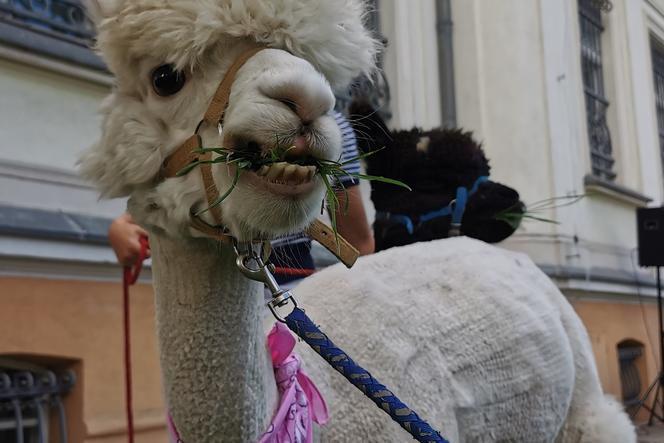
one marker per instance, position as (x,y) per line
(226,194)
(381,179)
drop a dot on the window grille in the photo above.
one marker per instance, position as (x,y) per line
(61,19)
(629,354)
(599,137)
(658,70)
(31,398)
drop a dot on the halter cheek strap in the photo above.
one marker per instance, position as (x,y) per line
(189,152)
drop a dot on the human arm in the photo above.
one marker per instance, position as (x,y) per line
(124,235)
(351,217)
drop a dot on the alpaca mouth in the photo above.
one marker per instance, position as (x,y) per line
(283,178)
(280,170)
(285,173)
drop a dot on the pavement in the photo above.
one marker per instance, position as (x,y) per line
(651,434)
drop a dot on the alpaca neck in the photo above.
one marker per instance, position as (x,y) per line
(216,369)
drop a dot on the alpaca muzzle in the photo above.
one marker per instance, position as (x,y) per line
(191,151)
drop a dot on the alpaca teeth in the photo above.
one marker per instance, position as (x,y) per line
(276,170)
(263,171)
(301,173)
(289,172)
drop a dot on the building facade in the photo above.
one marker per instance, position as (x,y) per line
(60,287)
(567,97)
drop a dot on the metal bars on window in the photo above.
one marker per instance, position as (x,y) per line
(630,379)
(590,22)
(658,71)
(63,19)
(30,400)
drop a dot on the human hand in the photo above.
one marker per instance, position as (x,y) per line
(124,235)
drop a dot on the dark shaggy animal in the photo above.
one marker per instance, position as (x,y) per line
(434,164)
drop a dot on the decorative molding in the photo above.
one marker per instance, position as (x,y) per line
(73,270)
(57,66)
(599,275)
(41,42)
(35,173)
(615,191)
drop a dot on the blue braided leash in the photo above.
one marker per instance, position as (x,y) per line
(300,324)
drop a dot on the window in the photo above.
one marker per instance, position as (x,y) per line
(630,359)
(590,22)
(32,406)
(658,71)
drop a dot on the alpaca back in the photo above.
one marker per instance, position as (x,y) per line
(468,335)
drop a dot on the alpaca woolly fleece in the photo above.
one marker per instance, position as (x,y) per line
(328,34)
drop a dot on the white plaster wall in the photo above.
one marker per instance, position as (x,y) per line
(411,62)
(643,20)
(501,91)
(519,87)
(46,118)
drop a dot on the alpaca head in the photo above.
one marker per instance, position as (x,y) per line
(169,58)
(434,164)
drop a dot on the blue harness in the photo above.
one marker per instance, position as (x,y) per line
(455,208)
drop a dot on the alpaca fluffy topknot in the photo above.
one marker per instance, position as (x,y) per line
(329,34)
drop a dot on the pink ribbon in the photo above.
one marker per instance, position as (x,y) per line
(300,405)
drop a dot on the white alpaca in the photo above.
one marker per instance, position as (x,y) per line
(475,339)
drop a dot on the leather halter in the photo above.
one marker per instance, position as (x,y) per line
(186,154)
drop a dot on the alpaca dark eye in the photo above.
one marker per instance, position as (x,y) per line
(166,81)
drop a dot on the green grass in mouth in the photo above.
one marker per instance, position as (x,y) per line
(330,172)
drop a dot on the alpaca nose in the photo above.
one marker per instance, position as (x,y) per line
(308,96)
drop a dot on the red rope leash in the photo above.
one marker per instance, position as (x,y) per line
(295,272)
(130,277)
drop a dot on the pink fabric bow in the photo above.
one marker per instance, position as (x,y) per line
(300,402)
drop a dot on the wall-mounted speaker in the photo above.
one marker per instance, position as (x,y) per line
(650,229)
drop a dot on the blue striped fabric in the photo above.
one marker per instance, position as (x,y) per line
(283,246)
(349,150)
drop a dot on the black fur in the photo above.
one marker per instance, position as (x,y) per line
(453,159)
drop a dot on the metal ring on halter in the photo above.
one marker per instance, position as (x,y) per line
(220,128)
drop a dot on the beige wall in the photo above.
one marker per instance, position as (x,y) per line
(608,324)
(82,321)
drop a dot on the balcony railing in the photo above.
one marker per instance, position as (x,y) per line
(63,19)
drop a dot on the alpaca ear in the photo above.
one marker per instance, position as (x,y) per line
(98,10)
